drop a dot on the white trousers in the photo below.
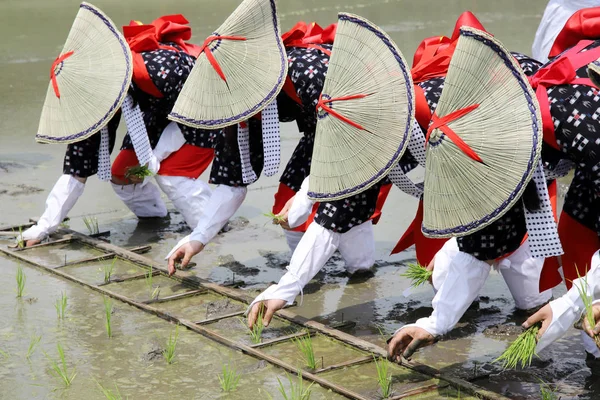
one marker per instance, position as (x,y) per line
(189,196)
(357,247)
(142,199)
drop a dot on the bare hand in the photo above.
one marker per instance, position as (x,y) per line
(283,221)
(32,242)
(586,325)
(185,254)
(544,315)
(407,341)
(268,308)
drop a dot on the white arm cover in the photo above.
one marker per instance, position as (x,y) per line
(170,141)
(313,251)
(465,278)
(60,201)
(301,207)
(566,310)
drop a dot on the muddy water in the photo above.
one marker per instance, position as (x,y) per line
(252,251)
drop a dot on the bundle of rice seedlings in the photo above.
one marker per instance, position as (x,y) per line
(304,345)
(59,368)
(108,270)
(229,378)
(91,224)
(384,377)
(297,390)
(140,171)
(169,352)
(257,329)
(521,351)
(35,339)
(108,309)
(109,394)
(21,278)
(546,392)
(275,217)
(417,274)
(61,305)
(588,301)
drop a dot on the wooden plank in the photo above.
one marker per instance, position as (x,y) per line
(107,256)
(240,295)
(351,363)
(129,278)
(219,317)
(52,243)
(176,296)
(414,392)
(282,339)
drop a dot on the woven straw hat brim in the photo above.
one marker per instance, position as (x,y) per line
(348,159)
(594,72)
(462,195)
(92,82)
(254,68)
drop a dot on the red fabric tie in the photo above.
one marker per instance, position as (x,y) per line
(442,124)
(55,64)
(309,36)
(323,104)
(561,72)
(213,61)
(584,24)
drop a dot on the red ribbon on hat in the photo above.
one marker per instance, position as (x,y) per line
(309,36)
(432,58)
(142,38)
(323,104)
(213,61)
(584,24)
(442,124)
(55,64)
(560,72)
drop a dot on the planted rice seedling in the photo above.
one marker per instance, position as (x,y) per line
(4,354)
(59,368)
(546,392)
(521,351)
(148,278)
(108,309)
(297,390)
(384,377)
(61,305)
(588,301)
(229,378)
(91,224)
(21,278)
(109,394)
(257,329)
(108,270)
(169,352)
(304,345)
(35,339)
(140,171)
(417,274)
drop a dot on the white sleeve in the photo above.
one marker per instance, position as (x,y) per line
(465,278)
(315,248)
(566,310)
(60,201)
(223,203)
(170,141)
(301,207)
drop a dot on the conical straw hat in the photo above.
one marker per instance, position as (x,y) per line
(484,141)
(89,79)
(594,72)
(364,114)
(241,70)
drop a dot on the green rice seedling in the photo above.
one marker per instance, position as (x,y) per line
(384,377)
(278,218)
(109,394)
(21,278)
(588,301)
(59,368)
(297,390)
(140,171)
(61,305)
(4,354)
(91,224)
(148,278)
(108,309)
(64,224)
(521,351)
(169,352)
(304,345)
(229,378)
(20,241)
(257,329)
(35,339)
(108,270)
(417,274)
(546,392)
(155,293)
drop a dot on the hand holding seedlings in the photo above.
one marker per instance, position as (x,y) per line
(138,173)
(267,309)
(521,351)
(543,315)
(184,254)
(281,218)
(595,331)
(407,341)
(417,274)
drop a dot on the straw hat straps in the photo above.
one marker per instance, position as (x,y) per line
(365,113)
(88,80)
(484,146)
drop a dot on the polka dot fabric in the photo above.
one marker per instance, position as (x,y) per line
(248,175)
(271,139)
(104,156)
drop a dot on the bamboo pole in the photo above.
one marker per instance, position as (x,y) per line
(177,296)
(351,363)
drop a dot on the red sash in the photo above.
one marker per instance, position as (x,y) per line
(141,38)
(584,24)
